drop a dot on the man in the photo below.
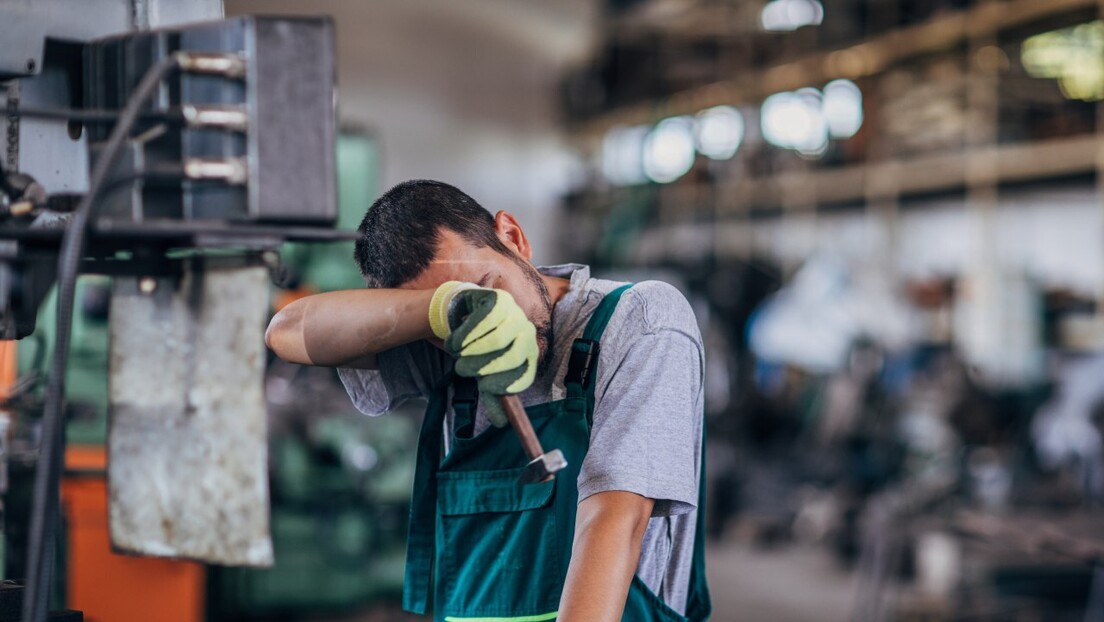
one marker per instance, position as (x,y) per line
(453,300)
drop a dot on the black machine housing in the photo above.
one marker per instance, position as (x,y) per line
(283,149)
(287,94)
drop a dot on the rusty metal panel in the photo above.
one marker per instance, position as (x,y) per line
(187,468)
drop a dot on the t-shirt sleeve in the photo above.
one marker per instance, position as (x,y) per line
(648,414)
(406,372)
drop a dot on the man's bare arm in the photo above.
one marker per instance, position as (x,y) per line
(609,529)
(349,327)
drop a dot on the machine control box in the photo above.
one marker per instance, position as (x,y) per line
(253,144)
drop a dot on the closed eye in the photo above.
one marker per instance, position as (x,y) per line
(483,282)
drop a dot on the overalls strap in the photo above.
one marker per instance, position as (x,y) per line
(421,535)
(582,366)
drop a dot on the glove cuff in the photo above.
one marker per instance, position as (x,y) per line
(439,306)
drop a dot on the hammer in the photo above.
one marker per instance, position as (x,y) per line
(542,466)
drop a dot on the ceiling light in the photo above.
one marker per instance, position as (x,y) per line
(787,15)
(669,150)
(793,120)
(1073,56)
(622,160)
(720,132)
(842,108)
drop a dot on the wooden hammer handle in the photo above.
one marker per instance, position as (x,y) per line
(515,414)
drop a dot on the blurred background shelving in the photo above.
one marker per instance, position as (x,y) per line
(888,214)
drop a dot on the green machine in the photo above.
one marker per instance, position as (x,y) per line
(327,267)
(340,481)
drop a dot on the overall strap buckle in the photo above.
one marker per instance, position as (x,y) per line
(465,391)
(582,362)
(465,400)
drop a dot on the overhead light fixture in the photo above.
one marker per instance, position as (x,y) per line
(842,107)
(789,15)
(1072,56)
(622,155)
(720,132)
(794,120)
(669,150)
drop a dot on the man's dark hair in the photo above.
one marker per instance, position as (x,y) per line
(399,234)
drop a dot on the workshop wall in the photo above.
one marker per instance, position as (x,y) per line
(465,94)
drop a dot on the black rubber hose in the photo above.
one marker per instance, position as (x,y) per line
(44,511)
(91,116)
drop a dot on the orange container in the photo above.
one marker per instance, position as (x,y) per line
(109,587)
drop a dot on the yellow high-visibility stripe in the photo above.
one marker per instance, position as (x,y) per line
(540,617)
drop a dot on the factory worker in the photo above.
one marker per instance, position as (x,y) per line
(609,373)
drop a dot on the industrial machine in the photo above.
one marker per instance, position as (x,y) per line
(175,160)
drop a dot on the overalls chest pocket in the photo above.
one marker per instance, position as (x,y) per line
(497,553)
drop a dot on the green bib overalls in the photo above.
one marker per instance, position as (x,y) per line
(484,548)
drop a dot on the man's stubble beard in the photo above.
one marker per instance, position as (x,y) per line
(543,325)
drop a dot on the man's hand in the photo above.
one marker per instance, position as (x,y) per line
(492,338)
(609,530)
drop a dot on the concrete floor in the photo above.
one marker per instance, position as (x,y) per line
(784,584)
(777,585)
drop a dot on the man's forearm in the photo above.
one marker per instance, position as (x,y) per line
(609,529)
(350,326)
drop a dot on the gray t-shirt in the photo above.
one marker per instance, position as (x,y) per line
(647,429)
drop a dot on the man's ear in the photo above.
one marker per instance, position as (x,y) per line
(512,235)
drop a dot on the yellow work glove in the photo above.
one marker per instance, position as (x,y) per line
(492,338)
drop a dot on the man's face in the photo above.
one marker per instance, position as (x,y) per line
(460,260)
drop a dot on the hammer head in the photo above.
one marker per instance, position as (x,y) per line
(543,468)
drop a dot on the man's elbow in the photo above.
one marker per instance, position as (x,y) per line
(270,334)
(283,331)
